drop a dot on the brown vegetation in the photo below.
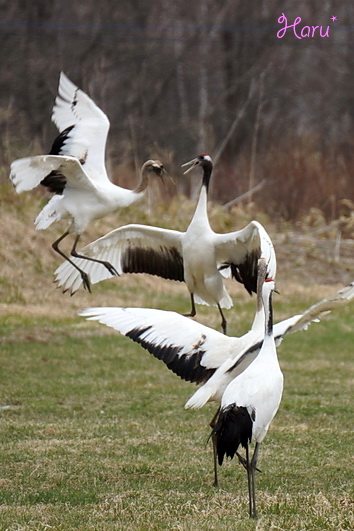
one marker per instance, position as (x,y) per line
(312,260)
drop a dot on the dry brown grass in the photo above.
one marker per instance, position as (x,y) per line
(307,256)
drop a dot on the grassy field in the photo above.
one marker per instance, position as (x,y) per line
(94,435)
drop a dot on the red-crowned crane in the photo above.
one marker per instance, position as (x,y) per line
(75,172)
(195,256)
(200,354)
(250,402)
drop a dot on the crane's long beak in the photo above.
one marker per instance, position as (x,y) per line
(167,176)
(192,163)
(164,175)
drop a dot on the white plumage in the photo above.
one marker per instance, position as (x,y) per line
(75,171)
(200,354)
(195,256)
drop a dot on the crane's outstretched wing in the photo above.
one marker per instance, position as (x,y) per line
(198,353)
(241,250)
(216,385)
(83,128)
(130,249)
(189,349)
(27,173)
(315,312)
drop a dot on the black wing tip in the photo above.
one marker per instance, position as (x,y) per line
(60,140)
(187,366)
(247,272)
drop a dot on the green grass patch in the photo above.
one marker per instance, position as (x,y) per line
(94,435)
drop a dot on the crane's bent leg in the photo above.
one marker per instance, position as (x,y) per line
(84,276)
(106,264)
(193,310)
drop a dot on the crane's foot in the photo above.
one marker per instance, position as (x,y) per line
(112,270)
(86,281)
(243,462)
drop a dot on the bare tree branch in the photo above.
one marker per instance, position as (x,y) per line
(258,187)
(239,116)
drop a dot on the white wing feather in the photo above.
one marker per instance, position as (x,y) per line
(214,388)
(111,248)
(229,355)
(27,173)
(315,312)
(233,247)
(168,329)
(87,140)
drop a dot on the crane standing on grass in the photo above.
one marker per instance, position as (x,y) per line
(251,401)
(201,355)
(75,172)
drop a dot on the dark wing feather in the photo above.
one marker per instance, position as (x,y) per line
(241,250)
(166,262)
(187,367)
(246,272)
(56,181)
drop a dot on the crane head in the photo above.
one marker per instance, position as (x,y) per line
(156,167)
(202,159)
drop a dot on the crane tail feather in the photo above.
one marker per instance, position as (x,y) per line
(233,427)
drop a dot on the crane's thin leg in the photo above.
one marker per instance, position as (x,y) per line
(213,440)
(250,484)
(252,476)
(251,467)
(255,456)
(193,310)
(223,320)
(107,265)
(85,278)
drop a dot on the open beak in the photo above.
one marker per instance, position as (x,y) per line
(192,163)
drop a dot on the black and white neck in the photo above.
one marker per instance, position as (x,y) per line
(207,165)
(200,214)
(267,292)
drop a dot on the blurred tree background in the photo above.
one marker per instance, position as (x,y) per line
(179,78)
